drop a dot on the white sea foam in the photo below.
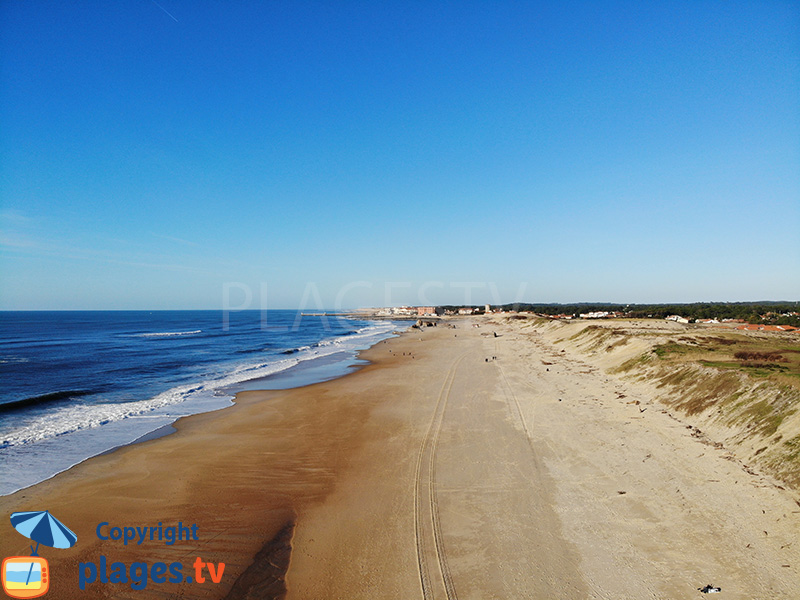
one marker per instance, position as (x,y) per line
(68,419)
(168,333)
(65,435)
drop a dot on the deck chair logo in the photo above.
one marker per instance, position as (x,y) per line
(29,576)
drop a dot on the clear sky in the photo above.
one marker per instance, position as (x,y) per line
(203,153)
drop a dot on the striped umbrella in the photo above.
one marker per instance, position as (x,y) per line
(43,528)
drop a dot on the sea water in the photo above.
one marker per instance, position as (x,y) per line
(75,384)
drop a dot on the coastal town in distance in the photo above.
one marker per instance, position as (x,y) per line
(770,316)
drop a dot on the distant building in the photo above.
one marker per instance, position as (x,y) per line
(594,315)
(487,309)
(677,319)
(465,311)
(429,311)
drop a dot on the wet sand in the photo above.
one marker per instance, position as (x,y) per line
(437,471)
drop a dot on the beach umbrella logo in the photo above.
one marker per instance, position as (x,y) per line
(29,576)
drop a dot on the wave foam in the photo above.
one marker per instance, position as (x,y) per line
(179,401)
(168,333)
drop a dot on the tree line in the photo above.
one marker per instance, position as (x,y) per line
(766,312)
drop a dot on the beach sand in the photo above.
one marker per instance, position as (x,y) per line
(437,471)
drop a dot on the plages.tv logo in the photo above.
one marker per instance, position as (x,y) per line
(29,576)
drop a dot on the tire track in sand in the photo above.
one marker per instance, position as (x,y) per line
(510,391)
(428,450)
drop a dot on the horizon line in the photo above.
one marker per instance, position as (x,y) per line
(582,302)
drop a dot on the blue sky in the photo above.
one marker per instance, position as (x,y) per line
(207,154)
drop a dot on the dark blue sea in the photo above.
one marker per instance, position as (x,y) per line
(76,384)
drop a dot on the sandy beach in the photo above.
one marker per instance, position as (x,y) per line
(468,462)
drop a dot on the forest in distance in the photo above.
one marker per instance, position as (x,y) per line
(763,312)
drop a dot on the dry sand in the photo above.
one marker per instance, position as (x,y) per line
(433,473)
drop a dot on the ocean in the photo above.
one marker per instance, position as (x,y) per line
(76,384)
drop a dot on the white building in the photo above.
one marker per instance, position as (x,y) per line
(677,319)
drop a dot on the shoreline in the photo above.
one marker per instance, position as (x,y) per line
(444,465)
(86,443)
(66,496)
